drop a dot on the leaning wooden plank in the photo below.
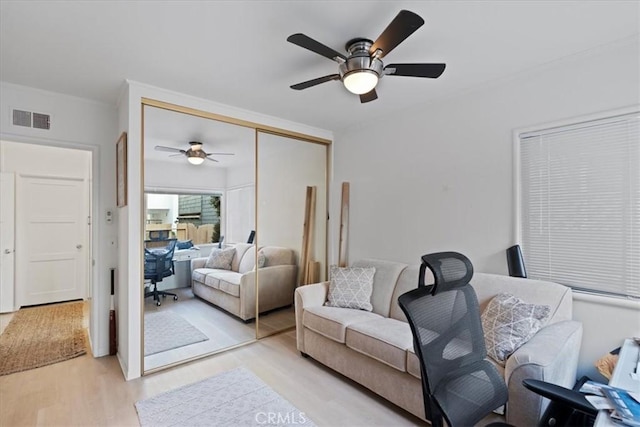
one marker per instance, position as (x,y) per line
(344,226)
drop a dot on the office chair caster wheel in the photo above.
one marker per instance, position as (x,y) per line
(175,298)
(158,303)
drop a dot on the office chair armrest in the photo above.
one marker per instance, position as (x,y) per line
(571,398)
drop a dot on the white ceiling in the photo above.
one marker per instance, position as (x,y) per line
(236,53)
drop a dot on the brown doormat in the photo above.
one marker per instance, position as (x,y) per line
(40,336)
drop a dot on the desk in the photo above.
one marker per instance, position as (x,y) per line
(627,364)
(182,268)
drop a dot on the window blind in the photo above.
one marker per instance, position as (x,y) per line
(580,205)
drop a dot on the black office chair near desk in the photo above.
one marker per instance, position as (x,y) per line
(458,384)
(158,264)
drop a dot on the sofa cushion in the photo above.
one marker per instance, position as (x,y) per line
(199,274)
(221,258)
(248,262)
(351,287)
(230,282)
(384,282)
(332,322)
(508,322)
(275,255)
(241,250)
(212,280)
(385,340)
(407,281)
(556,296)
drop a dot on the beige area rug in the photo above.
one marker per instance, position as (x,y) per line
(39,336)
(230,399)
(166,330)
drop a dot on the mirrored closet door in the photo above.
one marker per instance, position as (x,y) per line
(199,220)
(292,224)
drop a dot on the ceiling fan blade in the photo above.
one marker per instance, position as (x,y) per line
(402,26)
(209,158)
(310,83)
(169,149)
(315,46)
(221,154)
(415,70)
(176,155)
(369,96)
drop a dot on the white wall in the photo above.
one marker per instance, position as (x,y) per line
(83,124)
(440,176)
(181,176)
(130,229)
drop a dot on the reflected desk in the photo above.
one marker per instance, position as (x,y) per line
(626,375)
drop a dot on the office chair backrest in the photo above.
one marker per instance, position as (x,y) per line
(158,234)
(448,340)
(158,261)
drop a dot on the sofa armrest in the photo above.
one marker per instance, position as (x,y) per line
(277,284)
(308,296)
(551,356)
(198,262)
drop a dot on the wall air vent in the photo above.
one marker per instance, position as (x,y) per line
(41,121)
(22,118)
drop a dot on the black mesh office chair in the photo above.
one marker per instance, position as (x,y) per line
(458,384)
(158,264)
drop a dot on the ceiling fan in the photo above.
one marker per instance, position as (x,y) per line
(195,154)
(363,67)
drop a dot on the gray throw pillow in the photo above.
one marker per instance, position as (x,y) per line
(220,258)
(351,287)
(508,323)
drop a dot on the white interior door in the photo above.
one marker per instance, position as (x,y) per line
(7,241)
(52,236)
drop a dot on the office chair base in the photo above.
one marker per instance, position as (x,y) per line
(155,293)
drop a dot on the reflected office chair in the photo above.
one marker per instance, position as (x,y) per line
(158,264)
(458,384)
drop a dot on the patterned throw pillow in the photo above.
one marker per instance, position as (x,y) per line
(262,259)
(220,258)
(351,287)
(508,323)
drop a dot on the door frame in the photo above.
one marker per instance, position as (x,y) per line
(95,263)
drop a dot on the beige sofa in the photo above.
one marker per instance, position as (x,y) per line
(376,348)
(235,290)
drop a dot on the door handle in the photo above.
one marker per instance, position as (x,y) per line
(78,246)
(7,251)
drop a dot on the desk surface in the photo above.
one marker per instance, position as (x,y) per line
(622,377)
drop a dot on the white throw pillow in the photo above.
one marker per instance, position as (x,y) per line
(262,259)
(220,258)
(351,287)
(508,323)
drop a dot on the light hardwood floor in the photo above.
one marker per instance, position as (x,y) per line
(87,391)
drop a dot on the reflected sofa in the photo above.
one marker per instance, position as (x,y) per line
(235,290)
(375,348)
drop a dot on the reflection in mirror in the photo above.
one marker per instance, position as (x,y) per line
(286,218)
(199,212)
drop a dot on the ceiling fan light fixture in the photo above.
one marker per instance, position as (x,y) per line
(360,81)
(196,157)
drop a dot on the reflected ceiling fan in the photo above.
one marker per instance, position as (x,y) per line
(363,67)
(195,154)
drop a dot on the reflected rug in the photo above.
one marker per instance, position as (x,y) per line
(232,398)
(166,330)
(40,336)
